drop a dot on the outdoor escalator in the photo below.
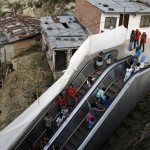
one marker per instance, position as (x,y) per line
(37,130)
(71,135)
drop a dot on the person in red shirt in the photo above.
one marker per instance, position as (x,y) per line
(137,34)
(71,91)
(143,40)
(60,100)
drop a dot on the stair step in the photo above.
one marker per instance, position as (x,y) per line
(79,135)
(75,141)
(82,92)
(114,89)
(69,146)
(118,84)
(84,129)
(109,94)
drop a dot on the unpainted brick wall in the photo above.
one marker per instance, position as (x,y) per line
(88,15)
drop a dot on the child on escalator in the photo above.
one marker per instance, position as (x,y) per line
(90,81)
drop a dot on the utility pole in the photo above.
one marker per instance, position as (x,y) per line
(123,18)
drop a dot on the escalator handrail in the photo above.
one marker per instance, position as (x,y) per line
(117,98)
(105,72)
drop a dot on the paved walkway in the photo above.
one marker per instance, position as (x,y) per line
(146,51)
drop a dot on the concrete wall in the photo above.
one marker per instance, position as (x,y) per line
(102,21)
(134,23)
(15,49)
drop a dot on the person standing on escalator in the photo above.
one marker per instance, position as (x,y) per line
(60,100)
(92,110)
(100,95)
(99,61)
(128,73)
(71,91)
(108,59)
(48,123)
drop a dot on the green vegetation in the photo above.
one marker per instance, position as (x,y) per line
(46,6)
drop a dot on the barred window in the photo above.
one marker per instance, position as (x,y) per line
(110,21)
(145,21)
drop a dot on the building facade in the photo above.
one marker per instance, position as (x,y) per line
(99,15)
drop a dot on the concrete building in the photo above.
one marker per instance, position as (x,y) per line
(101,15)
(61,37)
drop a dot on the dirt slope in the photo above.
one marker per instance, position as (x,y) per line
(19,90)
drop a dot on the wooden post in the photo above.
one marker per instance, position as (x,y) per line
(5,61)
(37,95)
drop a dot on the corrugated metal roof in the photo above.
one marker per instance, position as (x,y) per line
(65,42)
(63,31)
(117,6)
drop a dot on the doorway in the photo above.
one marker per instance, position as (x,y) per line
(60,60)
(126,20)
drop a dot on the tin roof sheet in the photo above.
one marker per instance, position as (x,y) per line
(63,31)
(119,6)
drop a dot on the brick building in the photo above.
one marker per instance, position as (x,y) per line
(88,15)
(101,15)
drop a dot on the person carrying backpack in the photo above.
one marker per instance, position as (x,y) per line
(100,95)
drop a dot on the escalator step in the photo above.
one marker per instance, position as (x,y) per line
(84,129)
(118,84)
(69,146)
(109,94)
(114,89)
(82,92)
(95,75)
(80,95)
(75,141)
(79,135)
(85,87)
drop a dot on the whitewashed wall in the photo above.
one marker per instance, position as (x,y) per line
(102,21)
(134,22)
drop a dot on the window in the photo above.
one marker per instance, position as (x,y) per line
(110,21)
(145,21)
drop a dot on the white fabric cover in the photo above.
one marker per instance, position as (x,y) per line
(93,44)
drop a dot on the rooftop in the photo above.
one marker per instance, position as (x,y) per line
(14,28)
(62,31)
(118,6)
